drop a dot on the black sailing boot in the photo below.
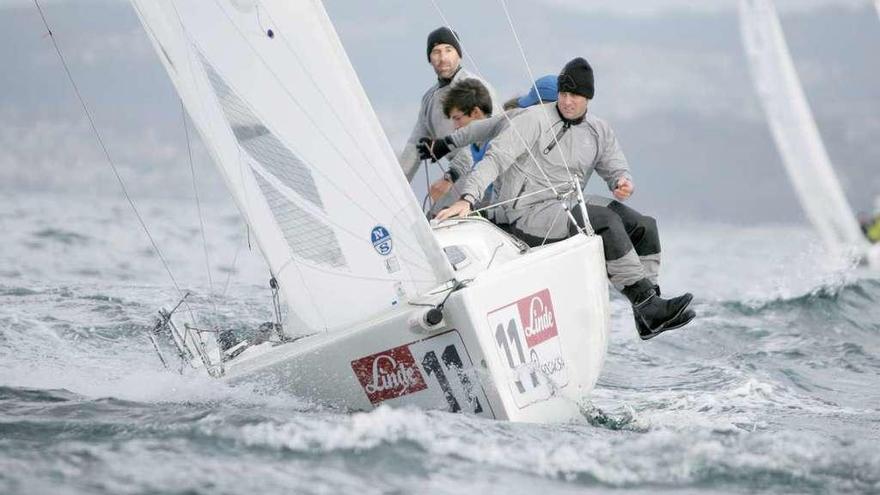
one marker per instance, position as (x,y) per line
(679,322)
(653,314)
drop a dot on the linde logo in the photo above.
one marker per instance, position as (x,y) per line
(536,314)
(389,374)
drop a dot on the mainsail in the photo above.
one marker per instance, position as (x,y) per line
(280,108)
(794,130)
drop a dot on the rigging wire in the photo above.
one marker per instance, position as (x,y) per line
(427,187)
(367,212)
(246,207)
(232,267)
(575,182)
(521,196)
(330,141)
(510,123)
(109,158)
(192,170)
(507,117)
(534,84)
(319,88)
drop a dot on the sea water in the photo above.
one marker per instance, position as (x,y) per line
(774,388)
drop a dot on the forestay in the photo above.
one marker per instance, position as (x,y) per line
(794,129)
(278,105)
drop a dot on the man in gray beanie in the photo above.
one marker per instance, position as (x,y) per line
(444,54)
(548,143)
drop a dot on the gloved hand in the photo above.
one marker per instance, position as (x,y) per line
(432,149)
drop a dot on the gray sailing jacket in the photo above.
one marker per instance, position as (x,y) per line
(525,155)
(433,124)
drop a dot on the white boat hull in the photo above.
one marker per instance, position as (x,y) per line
(524,340)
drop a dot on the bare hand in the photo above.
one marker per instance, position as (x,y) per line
(624,189)
(460,208)
(439,189)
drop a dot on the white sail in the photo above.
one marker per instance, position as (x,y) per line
(877,4)
(278,105)
(794,129)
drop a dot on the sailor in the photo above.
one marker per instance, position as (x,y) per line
(466,106)
(870,225)
(444,55)
(541,147)
(641,229)
(543,90)
(466,101)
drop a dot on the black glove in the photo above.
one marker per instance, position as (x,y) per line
(424,148)
(433,149)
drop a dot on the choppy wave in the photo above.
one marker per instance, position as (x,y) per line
(862,293)
(772,389)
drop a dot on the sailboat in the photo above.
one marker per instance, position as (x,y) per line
(383,307)
(794,130)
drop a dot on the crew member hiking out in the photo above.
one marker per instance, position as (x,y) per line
(444,55)
(544,145)
(641,229)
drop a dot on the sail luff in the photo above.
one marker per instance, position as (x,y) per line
(314,176)
(402,184)
(794,129)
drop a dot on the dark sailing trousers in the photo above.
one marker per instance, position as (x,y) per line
(631,241)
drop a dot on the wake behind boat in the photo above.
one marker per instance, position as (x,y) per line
(383,309)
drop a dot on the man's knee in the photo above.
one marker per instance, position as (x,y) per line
(614,237)
(649,242)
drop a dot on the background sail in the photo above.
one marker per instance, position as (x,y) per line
(278,105)
(794,129)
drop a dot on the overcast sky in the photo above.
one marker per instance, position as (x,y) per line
(622,7)
(671,79)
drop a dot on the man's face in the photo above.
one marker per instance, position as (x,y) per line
(572,106)
(461,119)
(445,60)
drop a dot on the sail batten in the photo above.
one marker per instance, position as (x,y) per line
(266,84)
(794,129)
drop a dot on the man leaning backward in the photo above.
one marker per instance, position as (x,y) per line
(556,135)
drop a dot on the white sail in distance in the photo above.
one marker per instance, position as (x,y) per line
(794,129)
(279,107)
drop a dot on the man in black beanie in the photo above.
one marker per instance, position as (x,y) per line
(552,143)
(444,54)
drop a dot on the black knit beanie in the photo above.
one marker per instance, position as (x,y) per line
(577,77)
(443,35)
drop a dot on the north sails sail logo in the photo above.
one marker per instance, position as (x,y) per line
(381,240)
(389,374)
(536,314)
